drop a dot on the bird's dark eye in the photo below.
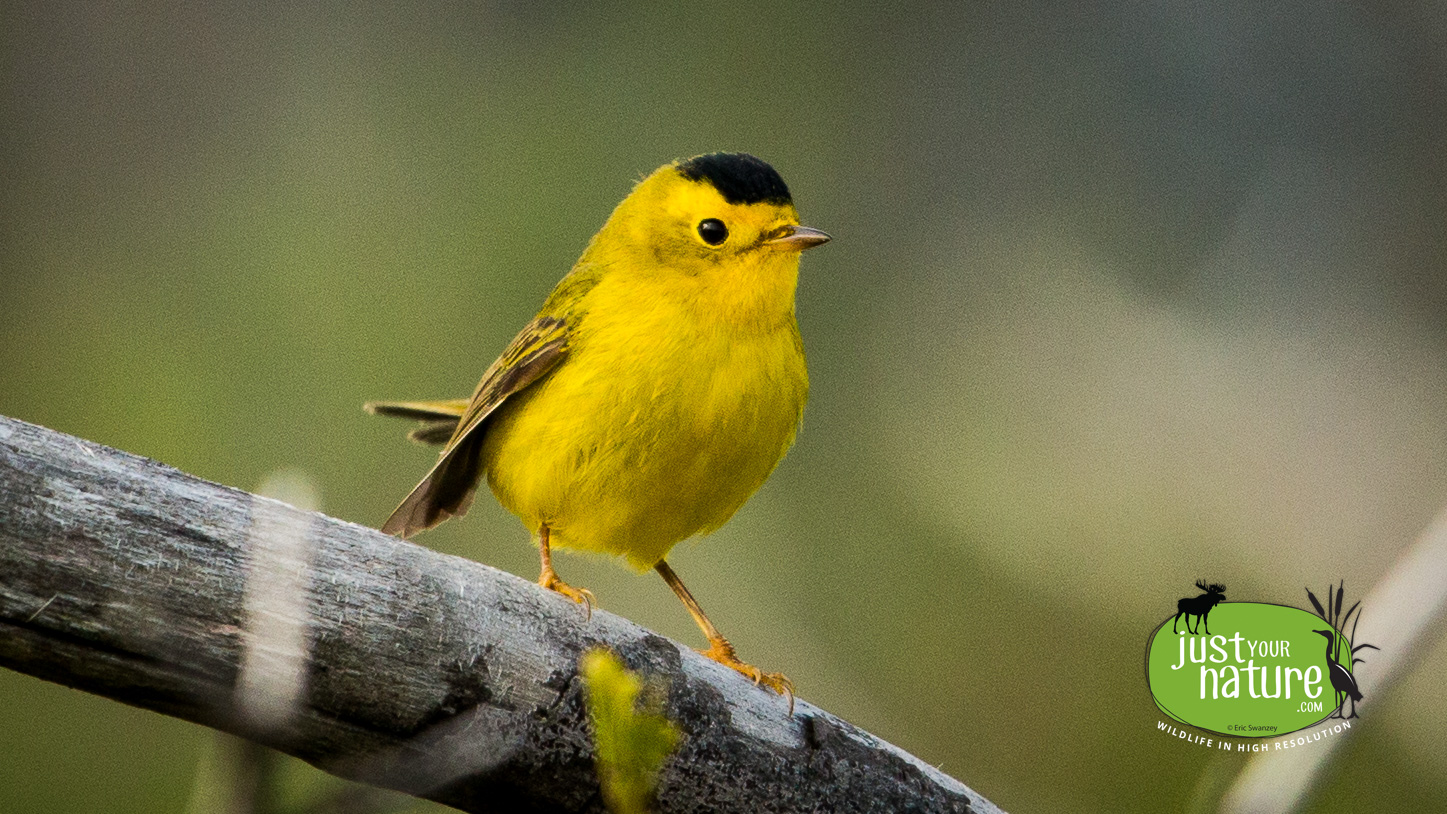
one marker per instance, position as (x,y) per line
(713,231)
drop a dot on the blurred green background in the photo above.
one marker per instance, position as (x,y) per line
(1120,297)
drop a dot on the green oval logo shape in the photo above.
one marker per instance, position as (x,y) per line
(1262,671)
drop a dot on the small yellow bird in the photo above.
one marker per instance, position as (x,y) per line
(656,390)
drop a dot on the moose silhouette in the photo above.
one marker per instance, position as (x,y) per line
(1199,606)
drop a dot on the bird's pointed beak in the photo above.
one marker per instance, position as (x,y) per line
(796,238)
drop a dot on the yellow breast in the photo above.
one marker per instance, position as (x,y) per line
(669,411)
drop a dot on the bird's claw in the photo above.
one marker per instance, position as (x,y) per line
(723,653)
(582,596)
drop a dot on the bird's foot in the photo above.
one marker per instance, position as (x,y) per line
(723,653)
(549,579)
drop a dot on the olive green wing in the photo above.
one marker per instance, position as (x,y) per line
(448,489)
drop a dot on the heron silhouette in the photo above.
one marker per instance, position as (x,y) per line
(1341,678)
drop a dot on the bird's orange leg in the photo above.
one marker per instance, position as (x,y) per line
(719,648)
(549,578)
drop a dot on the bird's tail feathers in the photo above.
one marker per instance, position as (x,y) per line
(447,491)
(438,419)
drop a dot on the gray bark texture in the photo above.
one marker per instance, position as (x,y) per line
(378,660)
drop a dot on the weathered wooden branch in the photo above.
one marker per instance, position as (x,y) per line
(375,659)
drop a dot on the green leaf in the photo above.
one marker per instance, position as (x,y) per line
(633,739)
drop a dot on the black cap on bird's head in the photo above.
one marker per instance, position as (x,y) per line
(739,177)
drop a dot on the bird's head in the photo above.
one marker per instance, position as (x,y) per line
(723,220)
(1329,634)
